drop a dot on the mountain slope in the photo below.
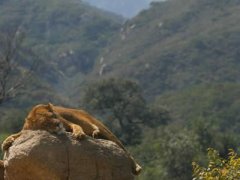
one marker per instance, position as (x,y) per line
(215,104)
(66,35)
(67,31)
(177,43)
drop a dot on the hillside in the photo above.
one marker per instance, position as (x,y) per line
(183,53)
(176,44)
(65,36)
(70,32)
(216,104)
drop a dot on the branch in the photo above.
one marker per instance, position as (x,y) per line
(11,77)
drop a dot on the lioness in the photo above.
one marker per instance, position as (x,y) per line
(57,119)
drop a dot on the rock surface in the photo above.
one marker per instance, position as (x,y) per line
(40,155)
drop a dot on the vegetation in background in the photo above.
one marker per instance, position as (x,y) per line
(177,44)
(15,68)
(218,168)
(210,111)
(2,137)
(120,103)
(167,152)
(184,54)
(66,35)
(216,105)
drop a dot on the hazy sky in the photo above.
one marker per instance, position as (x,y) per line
(127,8)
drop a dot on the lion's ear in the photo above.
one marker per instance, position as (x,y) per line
(50,107)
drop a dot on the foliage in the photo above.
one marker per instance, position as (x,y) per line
(63,33)
(123,107)
(218,168)
(179,149)
(12,120)
(15,68)
(67,31)
(177,44)
(186,52)
(167,153)
(211,111)
(2,138)
(155,115)
(215,104)
(122,104)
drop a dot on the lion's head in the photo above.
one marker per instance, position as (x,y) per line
(42,117)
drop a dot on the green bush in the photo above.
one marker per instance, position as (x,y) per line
(218,168)
(2,138)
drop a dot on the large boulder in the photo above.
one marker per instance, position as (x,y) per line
(40,155)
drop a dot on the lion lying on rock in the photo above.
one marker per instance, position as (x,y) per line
(58,120)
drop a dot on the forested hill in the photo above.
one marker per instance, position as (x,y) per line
(66,36)
(183,53)
(177,43)
(61,28)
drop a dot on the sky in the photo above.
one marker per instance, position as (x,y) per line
(126,8)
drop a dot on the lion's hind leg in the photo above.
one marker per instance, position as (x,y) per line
(96,131)
(8,142)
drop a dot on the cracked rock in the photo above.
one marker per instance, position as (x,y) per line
(40,155)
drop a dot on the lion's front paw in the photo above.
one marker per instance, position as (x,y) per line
(79,136)
(7,144)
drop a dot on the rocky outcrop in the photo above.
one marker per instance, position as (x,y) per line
(40,155)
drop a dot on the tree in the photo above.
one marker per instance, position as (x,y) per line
(120,104)
(13,75)
(218,168)
(166,152)
(178,150)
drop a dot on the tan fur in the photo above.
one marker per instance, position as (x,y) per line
(57,119)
